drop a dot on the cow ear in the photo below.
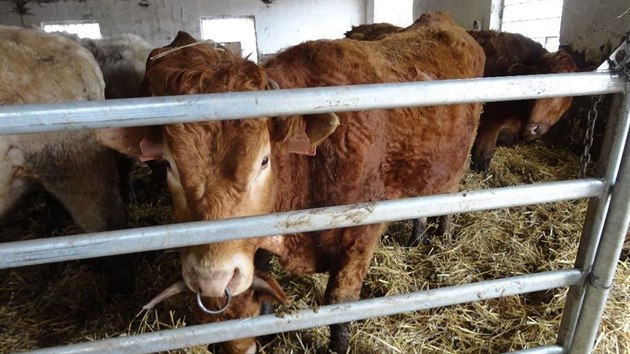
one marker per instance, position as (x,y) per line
(303,134)
(144,143)
(266,286)
(182,38)
(320,126)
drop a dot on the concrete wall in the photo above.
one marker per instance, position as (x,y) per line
(281,24)
(594,27)
(465,12)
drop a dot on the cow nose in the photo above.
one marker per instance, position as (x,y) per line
(534,130)
(212,283)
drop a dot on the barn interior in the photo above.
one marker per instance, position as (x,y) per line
(68,302)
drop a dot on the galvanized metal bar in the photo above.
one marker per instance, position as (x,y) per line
(57,249)
(608,166)
(325,315)
(18,119)
(600,279)
(545,349)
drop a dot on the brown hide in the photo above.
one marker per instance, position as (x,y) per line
(243,167)
(370,32)
(507,54)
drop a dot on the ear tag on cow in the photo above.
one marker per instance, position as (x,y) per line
(301,144)
(149,150)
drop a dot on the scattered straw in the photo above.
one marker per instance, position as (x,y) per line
(68,302)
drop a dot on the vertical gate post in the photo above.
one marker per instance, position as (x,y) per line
(600,279)
(605,226)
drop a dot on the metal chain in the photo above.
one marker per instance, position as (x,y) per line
(585,160)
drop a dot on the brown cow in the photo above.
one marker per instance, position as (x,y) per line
(235,168)
(505,123)
(502,123)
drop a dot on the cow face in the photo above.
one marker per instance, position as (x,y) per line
(219,169)
(545,113)
(227,169)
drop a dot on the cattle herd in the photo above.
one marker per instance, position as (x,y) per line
(234,168)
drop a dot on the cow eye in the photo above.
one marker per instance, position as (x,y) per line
(265,161)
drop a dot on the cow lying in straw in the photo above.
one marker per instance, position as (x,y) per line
(233,168)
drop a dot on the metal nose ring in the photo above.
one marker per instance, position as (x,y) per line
(228,296)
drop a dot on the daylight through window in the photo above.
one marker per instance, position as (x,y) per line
(80,28)
(236,33)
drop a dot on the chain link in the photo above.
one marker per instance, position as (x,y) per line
(585,159)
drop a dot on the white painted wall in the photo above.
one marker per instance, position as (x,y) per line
(279,25)
(536,19)
(465,12)
(589,25)
(399,12)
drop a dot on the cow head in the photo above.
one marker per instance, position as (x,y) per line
(546,112)
(218,169)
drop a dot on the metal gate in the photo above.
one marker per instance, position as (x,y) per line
(590,280)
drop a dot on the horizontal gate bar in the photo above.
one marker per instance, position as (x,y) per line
(21,253)
(176,109)
(545,349)
(325,315)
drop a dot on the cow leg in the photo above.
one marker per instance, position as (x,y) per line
(262,262)
(346,278)
(10,191)
(126,165)
(485,145)
(426,228)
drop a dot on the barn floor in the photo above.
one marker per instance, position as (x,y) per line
(68,302)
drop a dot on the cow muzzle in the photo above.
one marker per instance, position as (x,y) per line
(534,130)
(232,276)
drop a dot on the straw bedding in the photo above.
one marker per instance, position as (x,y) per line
(68,302)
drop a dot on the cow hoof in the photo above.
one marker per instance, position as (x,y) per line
(423,231)
(339,338)
(480,166)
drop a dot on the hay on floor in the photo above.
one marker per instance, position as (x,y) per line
(68,302)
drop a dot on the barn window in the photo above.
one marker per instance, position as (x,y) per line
(399,13)
(236,33)
(83,29)
(536,19)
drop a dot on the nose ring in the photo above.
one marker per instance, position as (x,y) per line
(228,296)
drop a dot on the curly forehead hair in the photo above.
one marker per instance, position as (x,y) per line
(200,68)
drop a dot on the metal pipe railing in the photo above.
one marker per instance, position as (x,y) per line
(177,109)
(545,349)
(14,254)
(600,278)
(165,110)
(325,315)
(608,166)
